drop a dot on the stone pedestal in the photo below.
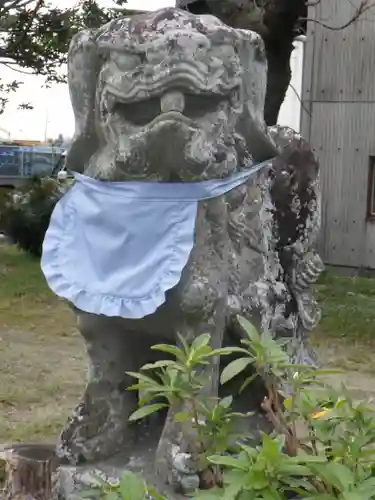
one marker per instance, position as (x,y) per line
(139,457)
(72,482)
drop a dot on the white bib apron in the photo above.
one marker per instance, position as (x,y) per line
(115,248)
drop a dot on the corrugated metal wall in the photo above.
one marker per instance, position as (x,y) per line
(338,117)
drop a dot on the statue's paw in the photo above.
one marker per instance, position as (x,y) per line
(79,448)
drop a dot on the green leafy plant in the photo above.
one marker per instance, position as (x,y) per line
(25,214)
(179,383)
(323,443)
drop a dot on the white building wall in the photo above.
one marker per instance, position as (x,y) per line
(290,112)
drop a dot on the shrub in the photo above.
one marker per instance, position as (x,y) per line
(333,460)
(25,213)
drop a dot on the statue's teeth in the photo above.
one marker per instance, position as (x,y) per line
(172,101)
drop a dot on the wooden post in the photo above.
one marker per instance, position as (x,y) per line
(29,472)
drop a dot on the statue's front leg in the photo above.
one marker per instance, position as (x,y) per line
(99,427)
(203,310)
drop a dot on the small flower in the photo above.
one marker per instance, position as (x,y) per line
(319,414)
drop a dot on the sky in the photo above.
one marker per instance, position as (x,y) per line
(52,114)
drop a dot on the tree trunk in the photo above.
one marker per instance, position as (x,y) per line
(278,79)
(283,20)
(29,472)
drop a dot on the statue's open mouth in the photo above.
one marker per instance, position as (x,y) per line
(142,113)
(148,111)
(174,116)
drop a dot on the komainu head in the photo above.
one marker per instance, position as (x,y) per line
(167,96)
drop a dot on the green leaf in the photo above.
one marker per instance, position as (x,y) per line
(182,417)
(134,387)
(352,495)
(242,415)
(213,494)
(309,459)
(248,381)
(257,479)
(232,491)
(321,496)
(111,495)
(249,450)
(250,329)
(271,494)
(145,411)
(299,485)
(226,402)
(201,341)
(159,364)
(170,349)
(294,470)
(272,447)
(184,344)
(233,369)
(226,461)
(155,495)
(147,398)
(142,377)
(334,474)
(368,484)
(226,351)
(132,487)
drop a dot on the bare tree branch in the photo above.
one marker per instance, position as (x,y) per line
(299,99)
(17,70)
(363,7)
(313,3)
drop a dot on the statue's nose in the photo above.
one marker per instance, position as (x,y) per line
(172,101)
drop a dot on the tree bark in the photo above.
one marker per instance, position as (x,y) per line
(29,472)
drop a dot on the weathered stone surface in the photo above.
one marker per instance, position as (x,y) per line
(171,96)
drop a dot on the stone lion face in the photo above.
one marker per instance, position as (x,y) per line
(171,91)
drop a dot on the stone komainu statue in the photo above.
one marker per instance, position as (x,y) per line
(178,99)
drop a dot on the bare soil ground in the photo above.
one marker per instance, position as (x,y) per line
(42,358)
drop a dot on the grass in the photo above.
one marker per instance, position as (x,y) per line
(42,364)
(25,300)
(348,306)
(42,361)
(346,334)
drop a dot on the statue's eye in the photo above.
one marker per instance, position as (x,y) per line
(197,106)
(139,113)
(125,62)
